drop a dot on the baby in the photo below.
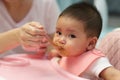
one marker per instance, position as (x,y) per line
(77,31)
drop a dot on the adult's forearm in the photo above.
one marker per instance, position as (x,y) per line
(9,40)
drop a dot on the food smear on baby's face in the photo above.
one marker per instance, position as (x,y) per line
(61,49)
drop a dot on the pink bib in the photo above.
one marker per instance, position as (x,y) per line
(77,65)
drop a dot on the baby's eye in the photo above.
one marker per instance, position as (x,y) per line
(72,36)
(58,32)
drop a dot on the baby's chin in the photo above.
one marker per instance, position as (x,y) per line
(69,54)
(63,54)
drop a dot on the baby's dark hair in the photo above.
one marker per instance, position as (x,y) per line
(86,13)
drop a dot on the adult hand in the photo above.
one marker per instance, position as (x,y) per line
(32,37)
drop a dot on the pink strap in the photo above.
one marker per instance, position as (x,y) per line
(14,61)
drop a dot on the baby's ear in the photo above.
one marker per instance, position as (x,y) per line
(92,43)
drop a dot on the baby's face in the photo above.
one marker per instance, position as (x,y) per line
(70,37)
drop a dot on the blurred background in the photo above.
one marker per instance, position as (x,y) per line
(114,13)
(109,10)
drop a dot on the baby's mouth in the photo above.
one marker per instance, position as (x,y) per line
(59,47)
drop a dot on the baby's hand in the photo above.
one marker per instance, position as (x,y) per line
(32,37)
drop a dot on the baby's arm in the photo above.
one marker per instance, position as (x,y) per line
(103,69)
(110,73)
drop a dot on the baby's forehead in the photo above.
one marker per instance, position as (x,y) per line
(70,29)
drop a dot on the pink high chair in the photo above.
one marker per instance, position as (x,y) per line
(21,67)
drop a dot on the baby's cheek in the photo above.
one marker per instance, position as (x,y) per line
(68,48)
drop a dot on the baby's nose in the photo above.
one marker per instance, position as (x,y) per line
(62,40)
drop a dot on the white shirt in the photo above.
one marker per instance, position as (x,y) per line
(44,11)
(96,68)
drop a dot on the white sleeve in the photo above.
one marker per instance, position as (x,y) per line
(98,66)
